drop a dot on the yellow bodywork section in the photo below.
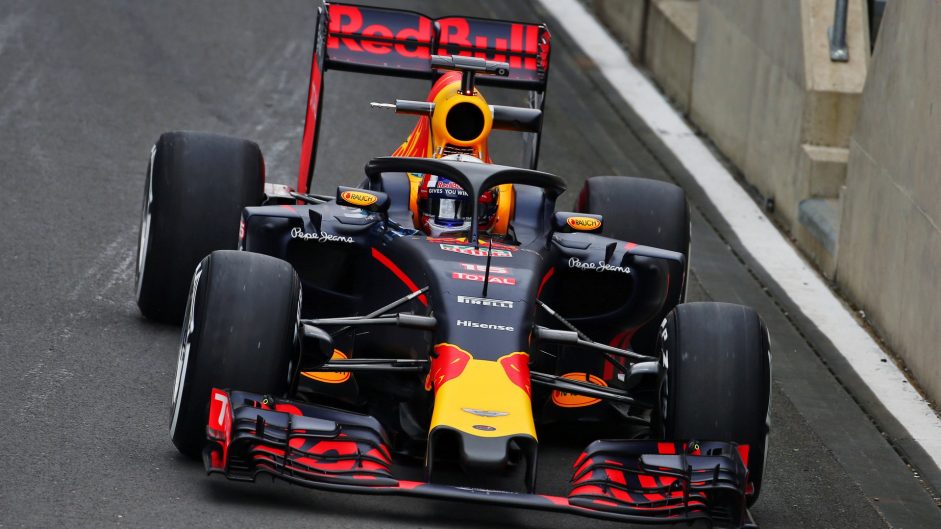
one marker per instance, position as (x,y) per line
(484,387)
(428,140)
(330,377)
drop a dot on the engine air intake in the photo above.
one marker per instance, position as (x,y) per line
(465,122)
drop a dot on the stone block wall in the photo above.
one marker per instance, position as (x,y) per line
(889,260)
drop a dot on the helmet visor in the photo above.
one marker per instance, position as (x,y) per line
(450,205)
(449,211)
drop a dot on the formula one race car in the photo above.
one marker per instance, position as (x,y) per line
(441,313)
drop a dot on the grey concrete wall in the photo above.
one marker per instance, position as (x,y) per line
(863,155)
(626,20)
(670,46)
(889,259)
(661,34)
(766,92)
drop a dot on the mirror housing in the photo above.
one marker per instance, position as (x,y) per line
(316,346)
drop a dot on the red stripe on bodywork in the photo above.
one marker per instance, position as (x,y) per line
(310,124)
(666,448)
(615,476)
(449,363)
(578,462)
(219,425)
(399,274)
(288,408)
(556,499)
(608,373)
(441,83)
(417,143)
(647,482)
(516,366)
(586,489)
(622,339)
(545,279)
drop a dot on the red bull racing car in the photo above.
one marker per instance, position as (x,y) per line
(440,314)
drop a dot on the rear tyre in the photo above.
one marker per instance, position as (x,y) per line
(649,213)
(715,382)
(240,333)
(196,186)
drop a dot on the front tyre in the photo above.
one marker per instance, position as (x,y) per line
(715,382)
(240,332)
(196,186)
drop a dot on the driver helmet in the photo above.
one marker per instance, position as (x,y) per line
(444,207)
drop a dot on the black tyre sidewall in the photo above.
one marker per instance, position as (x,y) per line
(244,337)
(197,185)
(646,212)
(639,210)
(716,372)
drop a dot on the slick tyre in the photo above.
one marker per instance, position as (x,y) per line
(196,186)
(645,212)
(715,381)
(240,332)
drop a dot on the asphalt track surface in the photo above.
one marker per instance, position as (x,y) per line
(87,87)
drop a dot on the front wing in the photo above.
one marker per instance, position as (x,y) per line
(330,449)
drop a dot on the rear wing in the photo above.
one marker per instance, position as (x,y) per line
(383,41)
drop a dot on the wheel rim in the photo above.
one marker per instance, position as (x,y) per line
(664,389)
(296,344)
(183,361)
(143,241)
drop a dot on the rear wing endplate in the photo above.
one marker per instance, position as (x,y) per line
(385,41)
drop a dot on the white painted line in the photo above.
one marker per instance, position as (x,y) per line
(759,236)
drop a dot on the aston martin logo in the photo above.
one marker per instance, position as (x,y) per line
(485,413)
